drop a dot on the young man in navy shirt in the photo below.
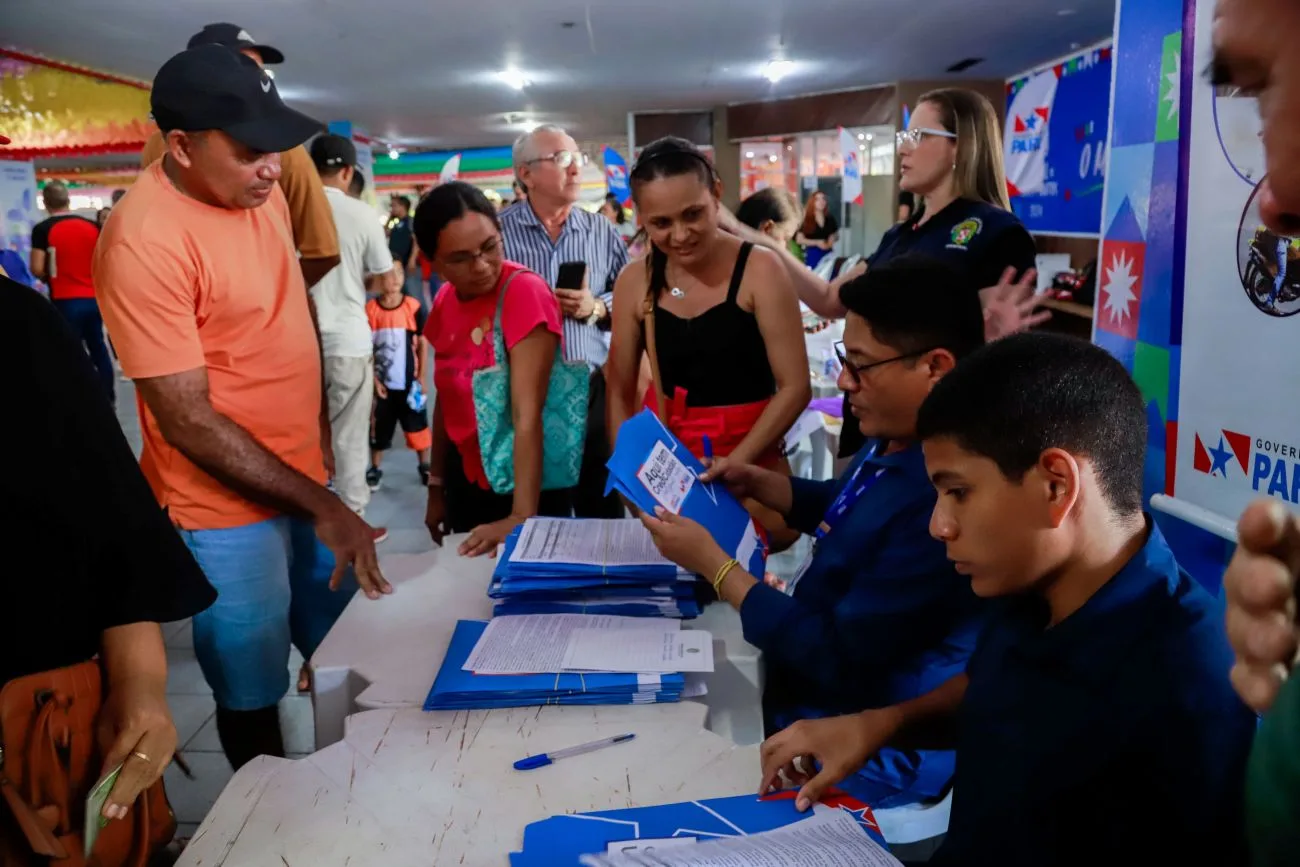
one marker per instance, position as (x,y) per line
(877,615)
(1095,722)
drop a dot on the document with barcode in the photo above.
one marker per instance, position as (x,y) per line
(828,839)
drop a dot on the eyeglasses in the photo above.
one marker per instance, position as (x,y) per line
(488,252)
(858,370)
(562,159)
(913,137)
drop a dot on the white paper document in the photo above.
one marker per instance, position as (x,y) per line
(646,650)
(666,478)
(587,542)
(830,839)
(535,643)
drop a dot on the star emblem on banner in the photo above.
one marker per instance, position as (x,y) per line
(1174,80)
(1220,457)
(1118,287)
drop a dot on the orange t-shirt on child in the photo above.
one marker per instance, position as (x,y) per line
(184,285)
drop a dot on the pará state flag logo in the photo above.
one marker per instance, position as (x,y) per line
(1270,467)
(1025,135)
(1225,450)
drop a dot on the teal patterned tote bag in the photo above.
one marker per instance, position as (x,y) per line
(564,416)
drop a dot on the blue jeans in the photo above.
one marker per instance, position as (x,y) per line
(83,315)
(272,582)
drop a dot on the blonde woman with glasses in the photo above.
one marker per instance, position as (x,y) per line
(950,160)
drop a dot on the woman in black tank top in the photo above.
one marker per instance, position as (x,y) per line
(721,319)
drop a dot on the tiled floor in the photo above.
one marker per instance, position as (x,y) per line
(399,505)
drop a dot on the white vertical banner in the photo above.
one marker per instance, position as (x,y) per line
(1238,421)
(18,212)
(852,171)
(450,170)
(1025,135)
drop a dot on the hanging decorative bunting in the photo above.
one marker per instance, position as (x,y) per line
(51,109)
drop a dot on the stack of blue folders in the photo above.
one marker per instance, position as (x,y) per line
(636,590)
(562,840)
(456,689)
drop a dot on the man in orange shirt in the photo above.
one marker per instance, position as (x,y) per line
(314,235)
(204,299)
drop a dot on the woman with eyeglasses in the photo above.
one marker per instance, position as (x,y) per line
(950,160)
(719,320)
(819,231)
(456,227)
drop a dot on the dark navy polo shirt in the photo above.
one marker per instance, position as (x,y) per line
(973,237)
(879,617)
(1111,738)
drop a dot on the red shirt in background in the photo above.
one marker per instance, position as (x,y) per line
(69,244)
(460,333)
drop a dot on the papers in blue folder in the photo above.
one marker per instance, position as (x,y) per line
(651,467)
(456,689)
(589,566)
(562,840)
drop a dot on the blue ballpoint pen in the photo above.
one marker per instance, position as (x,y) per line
(544,759)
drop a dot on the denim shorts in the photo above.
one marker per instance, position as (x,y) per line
(272,583)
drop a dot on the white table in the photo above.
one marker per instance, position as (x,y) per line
(405,787)
(384,654)
(392,786)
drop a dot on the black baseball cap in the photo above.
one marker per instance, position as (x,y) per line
(236,37)
(212,87)
(333,151)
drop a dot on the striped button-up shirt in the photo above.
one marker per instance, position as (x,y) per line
(586,237)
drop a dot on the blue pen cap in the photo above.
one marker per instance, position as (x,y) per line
(532,763)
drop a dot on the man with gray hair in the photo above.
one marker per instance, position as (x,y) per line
(545,231)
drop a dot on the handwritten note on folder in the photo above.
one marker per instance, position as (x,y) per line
(651,467)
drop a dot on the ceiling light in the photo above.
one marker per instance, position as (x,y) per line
(777,70)
(393,154)
(789,147)
(862,147)
(514,78)
(870,136)
(749,155)
(773,158)
(861,136)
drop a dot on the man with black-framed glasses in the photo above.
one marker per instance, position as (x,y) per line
(876,612)
(543,232)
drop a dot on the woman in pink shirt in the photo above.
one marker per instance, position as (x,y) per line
(456,228)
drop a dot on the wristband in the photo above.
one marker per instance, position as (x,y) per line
(723,572)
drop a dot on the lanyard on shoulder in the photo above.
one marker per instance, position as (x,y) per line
(849,495)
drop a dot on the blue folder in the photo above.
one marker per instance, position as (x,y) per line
(642,590)
(712,505)
(457,689)
(562,840)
